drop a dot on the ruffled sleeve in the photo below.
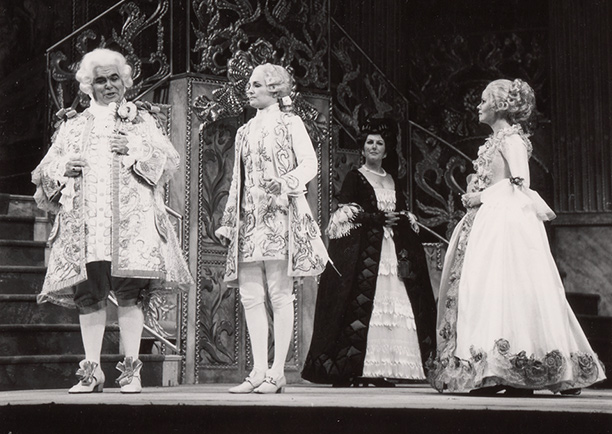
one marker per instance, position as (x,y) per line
(349,214)
(342,221)
(48,176)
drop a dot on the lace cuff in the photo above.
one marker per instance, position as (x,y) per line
(342,220)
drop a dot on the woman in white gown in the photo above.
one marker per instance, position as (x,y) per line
(503,320)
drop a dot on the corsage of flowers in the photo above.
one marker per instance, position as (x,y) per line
(126,111)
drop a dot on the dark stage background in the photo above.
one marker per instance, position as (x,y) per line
(422,63)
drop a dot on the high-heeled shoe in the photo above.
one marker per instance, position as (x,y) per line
(129,380)
(250,383)
(91,378)
(272,385)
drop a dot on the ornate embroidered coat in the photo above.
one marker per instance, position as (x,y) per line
(142,240)
(260,225)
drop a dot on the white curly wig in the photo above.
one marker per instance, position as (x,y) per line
(102,57)
(514,99)
(277,79)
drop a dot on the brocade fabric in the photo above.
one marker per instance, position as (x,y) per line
(115,211)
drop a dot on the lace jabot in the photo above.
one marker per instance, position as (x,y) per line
(482,165)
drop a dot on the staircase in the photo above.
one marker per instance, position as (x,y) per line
(40,345)
(598,329)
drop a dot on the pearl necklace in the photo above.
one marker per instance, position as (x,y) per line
(384,173)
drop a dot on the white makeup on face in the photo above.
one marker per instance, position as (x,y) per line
(257,92)
(107,85)
(486,109)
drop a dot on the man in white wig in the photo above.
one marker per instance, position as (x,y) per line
(103,176)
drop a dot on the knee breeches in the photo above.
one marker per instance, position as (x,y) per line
(91,295)
(258,278)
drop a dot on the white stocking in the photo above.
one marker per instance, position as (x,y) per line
(252,296)
(283,332)
(131,323)
(280,291)
(257,323)
(92,333)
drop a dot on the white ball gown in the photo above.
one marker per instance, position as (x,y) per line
(503,318)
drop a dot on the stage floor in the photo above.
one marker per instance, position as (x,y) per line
(300,395)
(208,408)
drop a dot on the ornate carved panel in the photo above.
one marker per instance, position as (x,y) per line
(140,30)
(363,92)
(298,30)
(447,77)
(439,180)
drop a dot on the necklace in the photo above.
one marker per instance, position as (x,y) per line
(373,172)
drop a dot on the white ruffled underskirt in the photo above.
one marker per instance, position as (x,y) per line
(393,345)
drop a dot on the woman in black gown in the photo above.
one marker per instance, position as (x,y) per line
(375,321)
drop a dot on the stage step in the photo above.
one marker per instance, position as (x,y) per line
(596,326)
(23,309)
(583,303)
(19,205)
(22,252)
(603,348)
(58,372)
(24,228)
(21,279)
(49,339)
(17,227)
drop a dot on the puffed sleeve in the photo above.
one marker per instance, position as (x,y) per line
(305,155)
(516,155)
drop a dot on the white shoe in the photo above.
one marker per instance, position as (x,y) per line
(272,385)
(129,380)
(250,383)
(91,378)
